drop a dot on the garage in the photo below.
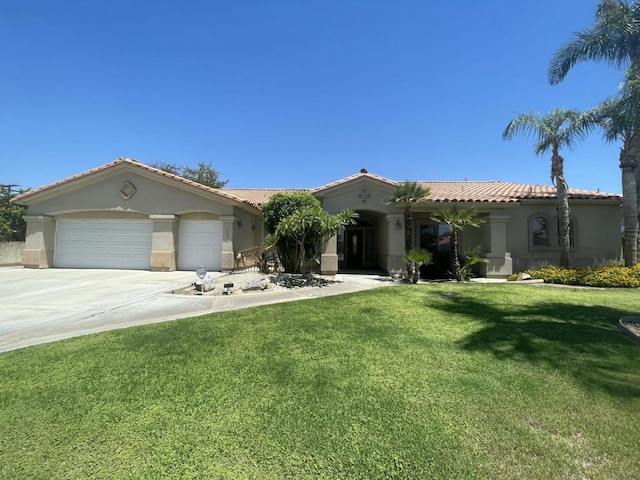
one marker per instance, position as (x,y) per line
(103,244)
(200,243)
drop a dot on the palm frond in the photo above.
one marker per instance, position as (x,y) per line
(614,38)
(558,128)
(407,193)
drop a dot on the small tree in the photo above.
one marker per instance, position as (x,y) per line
(416,258)
(457,219)
(308,229)
(279,207)
(471,257)
(204,174)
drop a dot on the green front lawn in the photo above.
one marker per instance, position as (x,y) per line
(424,381)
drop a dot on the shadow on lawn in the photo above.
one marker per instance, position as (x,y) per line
(579,340)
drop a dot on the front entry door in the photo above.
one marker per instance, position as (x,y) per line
(354,247)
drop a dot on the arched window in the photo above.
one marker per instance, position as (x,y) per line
(539,231)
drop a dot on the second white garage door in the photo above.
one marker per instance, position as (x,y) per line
(200,243)
(103,244)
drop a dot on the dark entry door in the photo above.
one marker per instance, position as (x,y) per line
(354,246)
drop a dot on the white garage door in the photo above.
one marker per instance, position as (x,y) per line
(103,244)
(200,243)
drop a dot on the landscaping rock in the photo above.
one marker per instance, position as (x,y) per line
(256,284)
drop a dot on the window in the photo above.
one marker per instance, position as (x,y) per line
(435,238)
(539,231)
(544,232)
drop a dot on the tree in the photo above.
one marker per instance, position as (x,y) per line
(558,128)
(309,229)
(457,219)
(408,194)
(615,39)
(13,228)
(204,174)
(619,119)
(279,207)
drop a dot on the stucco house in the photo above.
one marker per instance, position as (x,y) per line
(132,216)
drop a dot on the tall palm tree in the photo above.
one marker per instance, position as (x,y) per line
(558,128)
(408,194)
(614,38)
(619,119)
(456,219)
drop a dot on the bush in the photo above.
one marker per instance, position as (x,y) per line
(604,276)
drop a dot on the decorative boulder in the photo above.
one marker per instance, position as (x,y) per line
(257,284)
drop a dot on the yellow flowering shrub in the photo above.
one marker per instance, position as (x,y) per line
(605,276)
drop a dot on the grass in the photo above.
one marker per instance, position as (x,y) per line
(424,381)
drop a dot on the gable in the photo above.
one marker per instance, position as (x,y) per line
(360,193)
(126,185)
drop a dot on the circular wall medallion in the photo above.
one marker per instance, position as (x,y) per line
(127,190)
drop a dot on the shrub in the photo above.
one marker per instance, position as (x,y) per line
(604,276)
(416,258)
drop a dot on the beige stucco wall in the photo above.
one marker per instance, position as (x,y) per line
(11,253)
(152,197)
(361,195)
(247,230)
(163,201)
(367,195)
(597,234)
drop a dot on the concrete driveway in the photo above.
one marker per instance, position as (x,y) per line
(40,306)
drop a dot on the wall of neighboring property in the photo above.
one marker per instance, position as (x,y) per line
(597,234)
(11,253)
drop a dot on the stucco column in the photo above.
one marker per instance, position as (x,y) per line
(395,243)
(163,243)
(329,257)
(228,255)
(500,263)
(39,244)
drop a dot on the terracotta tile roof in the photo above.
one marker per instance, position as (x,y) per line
(462,191)
(135,163)
(501,192)
(354,177)
(260,196)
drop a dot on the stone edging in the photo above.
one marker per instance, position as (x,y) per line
(627,331)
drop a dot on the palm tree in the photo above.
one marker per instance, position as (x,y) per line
(457,219)
(407,194)
(619,119)
(558,128)
(614,38)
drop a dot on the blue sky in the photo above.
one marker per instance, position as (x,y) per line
(284,93)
